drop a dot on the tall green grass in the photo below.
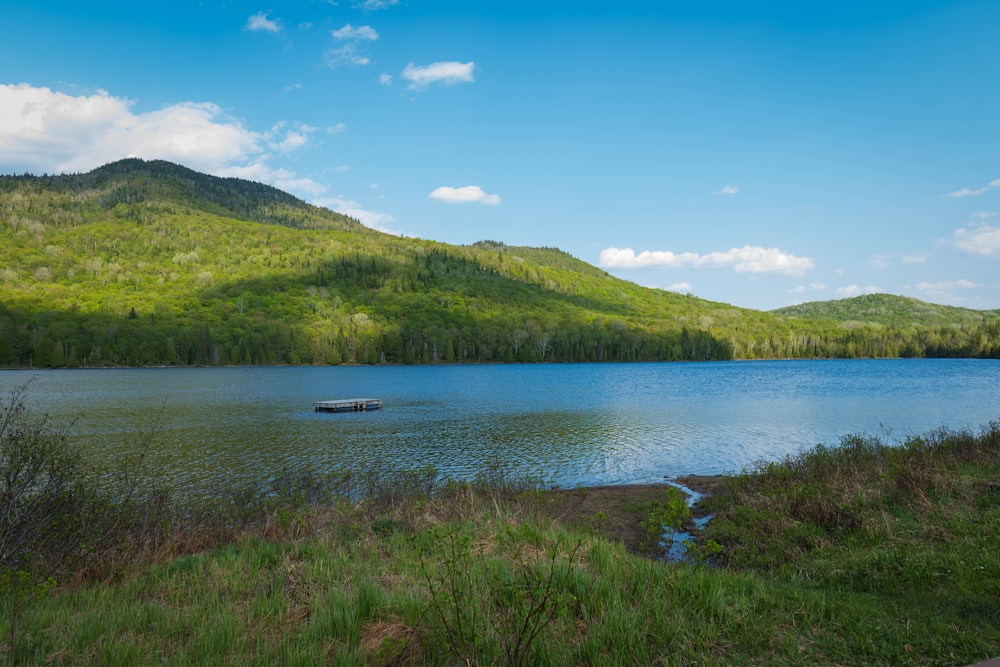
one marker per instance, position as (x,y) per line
(860,554)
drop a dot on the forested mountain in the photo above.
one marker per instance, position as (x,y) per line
(149,263)
(130,188)
(889,310)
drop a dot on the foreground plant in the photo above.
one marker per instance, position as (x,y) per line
(491,609)
(431,571)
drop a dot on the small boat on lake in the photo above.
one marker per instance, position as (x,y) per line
(348,405)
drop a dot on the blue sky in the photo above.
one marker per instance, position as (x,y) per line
(756,153)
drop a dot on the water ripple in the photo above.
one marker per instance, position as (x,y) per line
(568,424)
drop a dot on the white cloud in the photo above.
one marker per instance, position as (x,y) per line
(291,141)
(303,187)
(885,261)
(856,290)
(947,291)
(969,192)
(946,285)
(349,54)
(680,287)
(879,261)
(46,131)
(983,241)
(361,33)
(42,131)
(385,79)
(803,289)
(983,215)
(371,5)
(727,190)
(283,179)
(464,195)
(748,259)
(260,22)
(373,219)
(448,73)
(292,87)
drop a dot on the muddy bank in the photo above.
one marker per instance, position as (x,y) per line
(618,510)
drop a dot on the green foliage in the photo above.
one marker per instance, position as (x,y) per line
(55,510)
(793,514)
(491,611)
(147,263)
(451,575)
(890,311)
(663,518)
(57,513)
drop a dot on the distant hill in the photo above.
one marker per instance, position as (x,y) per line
(130,183)
(889,310)
(150,263)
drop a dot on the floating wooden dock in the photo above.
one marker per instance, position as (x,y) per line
(348,405)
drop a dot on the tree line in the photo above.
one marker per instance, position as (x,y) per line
(59,340)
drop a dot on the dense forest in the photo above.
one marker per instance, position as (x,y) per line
(149,263)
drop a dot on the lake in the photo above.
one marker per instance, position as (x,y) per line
(570,424)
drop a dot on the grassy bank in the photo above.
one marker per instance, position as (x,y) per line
(858,554)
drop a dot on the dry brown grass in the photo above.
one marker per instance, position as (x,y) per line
(391,643)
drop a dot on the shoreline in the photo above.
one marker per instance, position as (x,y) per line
(618,510)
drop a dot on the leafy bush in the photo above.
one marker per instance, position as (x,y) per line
(56,510)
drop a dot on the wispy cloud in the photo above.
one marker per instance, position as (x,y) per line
(880,261)
(885,261)
(470,194)
(349,54)
(352,52)
(970,192)
(374,219)
(284,179)
(385,79)
(361,33)
(285,137)
(373,5)
(748,259)
(948,291)
(680,287)
(982,241)
(303,187)
(260,22)
(804,289)
(946,285)
(856,290)
(727,190)
(449,73)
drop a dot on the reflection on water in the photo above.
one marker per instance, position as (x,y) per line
(570,424)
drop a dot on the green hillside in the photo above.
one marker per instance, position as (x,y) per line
(149,263)
(889,310)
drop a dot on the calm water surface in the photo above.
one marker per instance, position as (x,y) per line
(571,424)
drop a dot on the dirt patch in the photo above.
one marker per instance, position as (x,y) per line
(617,511)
